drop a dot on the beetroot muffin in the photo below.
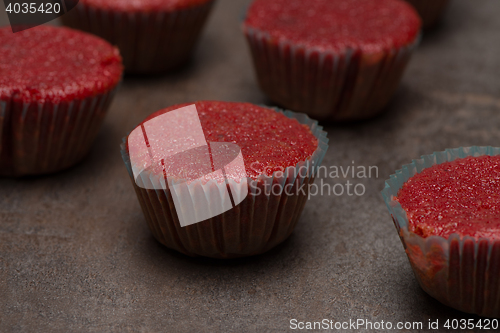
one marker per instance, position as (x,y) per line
(55,87)
(152,35)
(430,10)
(337,60)
(279,151)
(446,207)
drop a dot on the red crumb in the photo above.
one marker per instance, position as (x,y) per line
(56,64)
(269,141)
(460,197)
(334,25)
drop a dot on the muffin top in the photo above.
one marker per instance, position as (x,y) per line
(334,25)
(48,63)
(269,141)
(144,5)
(462,197)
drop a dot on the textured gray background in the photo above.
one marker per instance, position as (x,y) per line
(76,254)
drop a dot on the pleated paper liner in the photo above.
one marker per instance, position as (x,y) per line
(463,273)
(330,86)
(40,138)
(430,11)
(264,219)
(149,42)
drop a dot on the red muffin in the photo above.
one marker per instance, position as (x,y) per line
(430,10)
(336,60)
(55,87)
(459,197)
(278,151)
(448,216)
(152,35)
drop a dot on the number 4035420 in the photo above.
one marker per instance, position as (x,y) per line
(462,324)
(32,8)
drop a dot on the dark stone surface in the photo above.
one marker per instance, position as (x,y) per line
(77,256)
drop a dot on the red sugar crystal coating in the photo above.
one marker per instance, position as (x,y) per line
(460,197)
(269,141)
(144,5)
(46,63)
(334,25)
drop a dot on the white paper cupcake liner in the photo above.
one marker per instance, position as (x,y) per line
(463,273)
(148,41)
(261,221)
(40,138)
(342,86)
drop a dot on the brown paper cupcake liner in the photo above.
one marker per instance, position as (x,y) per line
(265,218)
(429,10)
(461,272)
(343,86)
(148,41)
(40,138)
